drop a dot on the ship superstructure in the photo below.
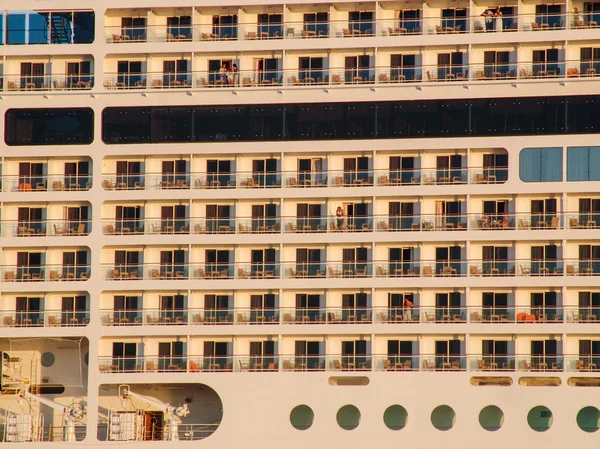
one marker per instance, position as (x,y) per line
(290,224)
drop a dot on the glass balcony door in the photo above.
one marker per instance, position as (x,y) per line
(124,356)
(170,356)
(28,311)
(127,309)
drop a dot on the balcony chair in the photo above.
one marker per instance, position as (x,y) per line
(526,365)
(428,366)
(429,317)
(244,229)
(477,318)
(382,272)
(59,231)
(243,274)
(474,270)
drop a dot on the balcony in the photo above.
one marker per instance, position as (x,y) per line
(45,272)
(333,178)
(331,224)
(37,83)
(352,315)
(45,228)
(349,363)
(351,269)
(343,29)
(44,318)
(46,183)
(464,73)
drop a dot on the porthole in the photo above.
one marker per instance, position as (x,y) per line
(395,417)
(540,418)
(302,417)
(588,419)
(443,417)
(48,359)
(348,417)
(491,418)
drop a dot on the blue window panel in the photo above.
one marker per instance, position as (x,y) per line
(594,165)
(1,29)
(38,29)
(16,29)
(530,164)
(551,165)
(577,163)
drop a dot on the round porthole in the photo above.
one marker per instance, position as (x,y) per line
(395,417)
(348,417)
(48,359)
(491,418)
(443,417)
(302,417)
(540,418)
(588,419)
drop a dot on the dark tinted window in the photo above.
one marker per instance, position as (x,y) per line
(221,123)
(518,116)
(365,120)
(582,114)
(68,126)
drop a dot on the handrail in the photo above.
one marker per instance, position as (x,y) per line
(472,268)
(349,362)
(347,28)
(359,223)
(513,314)
(381,75)
(305,179)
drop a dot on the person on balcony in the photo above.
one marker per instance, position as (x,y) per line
(339,213)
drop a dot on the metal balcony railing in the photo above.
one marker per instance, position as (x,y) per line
(323,224)
(454,315)
(44,318)
(396,28)
(46,272)
(45,183)
(295,179)
(44,228)
(351,362)
(24,83)
(464,73)
(472,268)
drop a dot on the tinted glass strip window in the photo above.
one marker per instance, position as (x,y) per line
(351,121)
(68,126)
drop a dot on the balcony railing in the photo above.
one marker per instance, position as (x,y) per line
(340,363)
(45,228)
(46,183)
(350,28)
(39,273)
(12,83)
(463,73)
(330,224)
(332,178)
(353,315)
(44,318)
(351,269)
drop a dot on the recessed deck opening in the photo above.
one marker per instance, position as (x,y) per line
(488,381)
(350,381)
(584,382)
(540,381)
